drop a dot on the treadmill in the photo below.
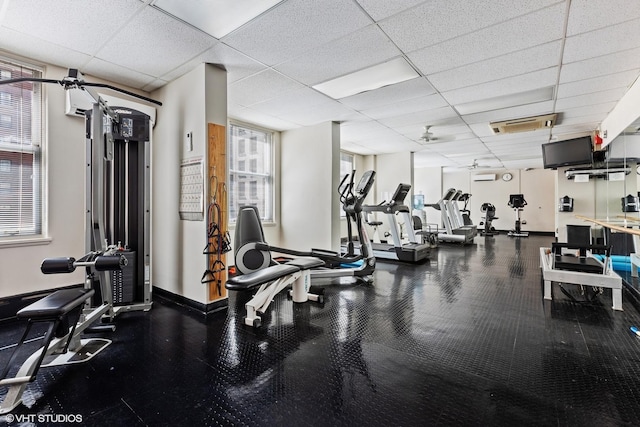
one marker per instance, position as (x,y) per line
(415,250)
(455,231)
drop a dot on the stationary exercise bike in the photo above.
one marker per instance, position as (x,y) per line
(489,212)
(517,202)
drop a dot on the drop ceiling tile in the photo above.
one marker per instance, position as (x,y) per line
(361,131)
(361,49)
(612,95)
(380,9)
(437,116)
(481,129)
(584,121)
(601,42)
(238,65)
(427,159)
(523,138)
(588,110)
(524,32)
(319,113)
(528,110)
(589,15)
(296,26)
(161,43)
(83,28)
(512,64)
(409,106)
(248,115)
(628,60)
(439,20)
(115,73)
(597,84)
(260,87)
(356,148)
(288,102)
(507,86)
(40,50)
(391,94)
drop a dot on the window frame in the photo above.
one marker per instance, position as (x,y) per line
(268,217)
(37,149)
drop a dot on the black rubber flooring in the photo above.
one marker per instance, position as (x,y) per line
(464,339)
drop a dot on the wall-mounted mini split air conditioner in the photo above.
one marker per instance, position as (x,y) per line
(485,177)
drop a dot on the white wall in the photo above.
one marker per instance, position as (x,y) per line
(391,170)
(428,182)
(537,185)
(189,103)
(309,171)
(64,151)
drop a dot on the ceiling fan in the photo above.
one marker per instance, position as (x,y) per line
(428,137)
(475,165)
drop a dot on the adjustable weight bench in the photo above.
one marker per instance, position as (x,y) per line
(272,280)
(62,345)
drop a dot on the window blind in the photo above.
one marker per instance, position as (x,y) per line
(20,152)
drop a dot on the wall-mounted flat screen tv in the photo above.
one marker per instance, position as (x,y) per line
(570,152)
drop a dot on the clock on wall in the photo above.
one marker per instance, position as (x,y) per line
(507,177)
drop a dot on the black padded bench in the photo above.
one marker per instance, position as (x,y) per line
(273,279)
(582,263)
(56,309)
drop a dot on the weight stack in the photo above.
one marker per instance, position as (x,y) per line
(123,281)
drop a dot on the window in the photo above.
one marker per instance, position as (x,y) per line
(346,164)
(258,177)
(20,149)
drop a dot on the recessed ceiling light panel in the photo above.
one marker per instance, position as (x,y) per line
(395,71)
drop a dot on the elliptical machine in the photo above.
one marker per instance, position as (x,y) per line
(489,211)
(517,202)
(252,253)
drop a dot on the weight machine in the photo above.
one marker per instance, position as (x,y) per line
(117,241)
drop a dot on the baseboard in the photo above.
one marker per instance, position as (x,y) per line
(205,309)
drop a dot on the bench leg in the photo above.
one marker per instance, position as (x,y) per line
(547,290)
(27,371)
(300,292)
(616,295)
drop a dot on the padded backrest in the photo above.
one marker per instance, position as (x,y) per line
(621,243)
(579,234)
(248,232)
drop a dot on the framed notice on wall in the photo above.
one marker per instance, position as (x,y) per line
(192,189)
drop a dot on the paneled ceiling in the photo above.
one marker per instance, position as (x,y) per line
(467,54)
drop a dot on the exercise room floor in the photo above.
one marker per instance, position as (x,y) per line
(465,339)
